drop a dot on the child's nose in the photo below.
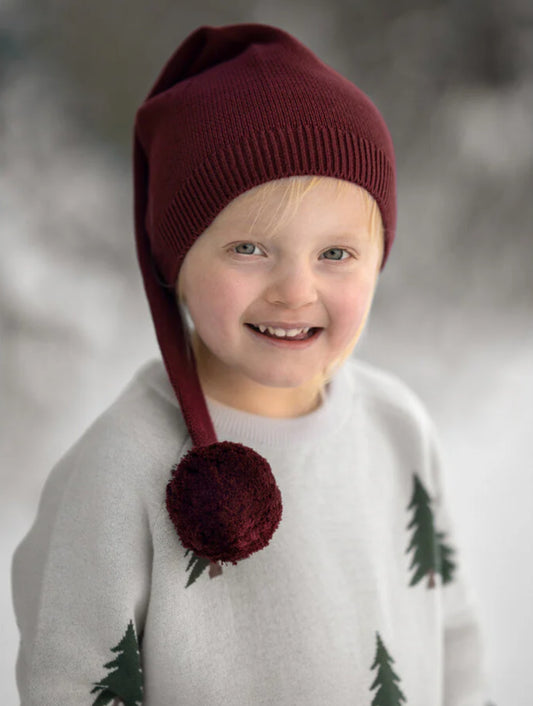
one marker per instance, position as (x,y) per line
(293,286)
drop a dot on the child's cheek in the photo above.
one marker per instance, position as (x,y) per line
(353,306)
(216,305)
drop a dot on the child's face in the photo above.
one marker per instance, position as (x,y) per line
(318,271)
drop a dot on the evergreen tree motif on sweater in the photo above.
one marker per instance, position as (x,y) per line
(431,554)
(386,682)
(196,566)
(124,684)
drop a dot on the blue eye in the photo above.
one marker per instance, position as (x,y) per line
(335,253)
(245,248)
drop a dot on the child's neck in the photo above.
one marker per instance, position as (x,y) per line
(270,402)
(254,398)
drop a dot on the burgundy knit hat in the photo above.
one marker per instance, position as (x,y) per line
(235,107)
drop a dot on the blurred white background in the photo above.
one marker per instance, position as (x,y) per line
(453,313)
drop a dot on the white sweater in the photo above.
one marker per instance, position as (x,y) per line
(357,600)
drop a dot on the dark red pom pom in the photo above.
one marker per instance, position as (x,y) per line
(224,501)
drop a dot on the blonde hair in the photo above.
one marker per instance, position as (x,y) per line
(295,190)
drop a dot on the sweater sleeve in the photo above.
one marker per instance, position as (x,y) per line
(81,576)
(464,676)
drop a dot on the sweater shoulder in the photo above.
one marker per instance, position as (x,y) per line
(147,410)
(137,439)
(398,422)
(388,395)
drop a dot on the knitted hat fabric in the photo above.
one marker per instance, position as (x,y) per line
(240,105)
(233,108)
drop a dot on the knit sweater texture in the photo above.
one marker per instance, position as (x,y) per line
(358,599)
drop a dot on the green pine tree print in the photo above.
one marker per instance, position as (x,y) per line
(124,684)
(431,553)
(197,565)
(386,682)
(446,565)
(423,539)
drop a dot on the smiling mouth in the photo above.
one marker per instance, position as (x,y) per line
(285,335)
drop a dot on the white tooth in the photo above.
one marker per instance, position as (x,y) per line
(282,333)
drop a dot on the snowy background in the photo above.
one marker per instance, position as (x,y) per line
(454,311)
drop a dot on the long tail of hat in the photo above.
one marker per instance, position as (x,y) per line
(222,498)
(175,349)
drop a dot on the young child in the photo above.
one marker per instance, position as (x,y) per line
(257,519)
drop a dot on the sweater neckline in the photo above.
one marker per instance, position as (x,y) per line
(237,425)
